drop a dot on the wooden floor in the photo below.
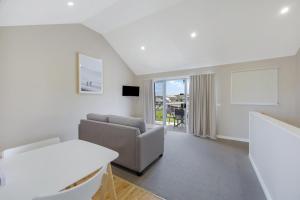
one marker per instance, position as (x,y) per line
(128,191)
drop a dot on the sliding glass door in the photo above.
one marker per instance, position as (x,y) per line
(159,91)
(171,98)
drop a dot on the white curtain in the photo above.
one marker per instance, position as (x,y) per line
(148,101)
(202,117)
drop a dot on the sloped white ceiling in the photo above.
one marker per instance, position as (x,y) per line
(38,12)
(228,31)
(124,12)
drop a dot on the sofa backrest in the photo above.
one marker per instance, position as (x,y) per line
(128,121)
(97,117)
(115,119)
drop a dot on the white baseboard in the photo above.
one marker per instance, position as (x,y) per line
(232,138)
(260,179)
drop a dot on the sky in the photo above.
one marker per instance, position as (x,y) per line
(173,87)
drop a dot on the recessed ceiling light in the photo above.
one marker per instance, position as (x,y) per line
(284,10)
(193,35)
(71,4)
(143,48)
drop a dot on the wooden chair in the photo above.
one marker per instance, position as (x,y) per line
(20,149)
(83,191)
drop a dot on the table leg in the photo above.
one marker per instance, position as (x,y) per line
(111,183)
(108,186)
(103,188)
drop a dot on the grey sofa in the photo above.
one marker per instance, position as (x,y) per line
(137,146)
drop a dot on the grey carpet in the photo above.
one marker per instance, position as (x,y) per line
(200,169)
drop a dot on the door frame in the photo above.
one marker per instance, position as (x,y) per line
(164,92)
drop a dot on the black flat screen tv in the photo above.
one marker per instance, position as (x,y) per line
(131,91)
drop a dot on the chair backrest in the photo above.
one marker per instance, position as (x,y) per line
(179,112)
(83,191)
(20,149)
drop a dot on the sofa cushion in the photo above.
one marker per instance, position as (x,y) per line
(128,121)
(97,117)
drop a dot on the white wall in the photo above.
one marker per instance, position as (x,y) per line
(274,154)
(38,82)
(232,120)
(298,87)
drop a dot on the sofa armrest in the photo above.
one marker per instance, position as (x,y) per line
(150,146)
